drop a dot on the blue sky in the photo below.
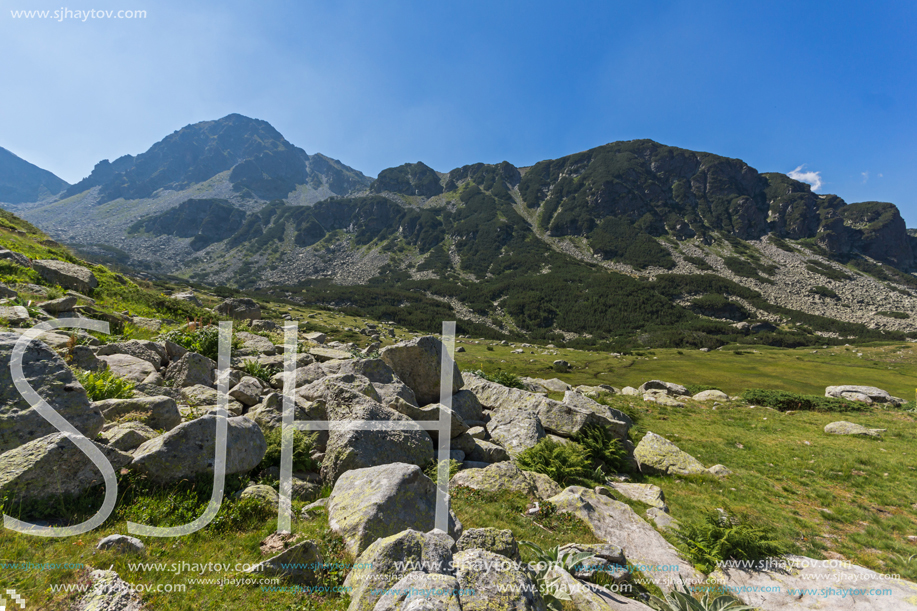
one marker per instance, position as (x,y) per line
(826,86)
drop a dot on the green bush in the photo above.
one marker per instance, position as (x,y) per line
(824,291)
(786,401)
(565,463)
(204,341)
(257,370)
(505,378)
(101,385)
(900,315)
(303,445)
(685,600)
(431,469)
(720,536)
(605,451)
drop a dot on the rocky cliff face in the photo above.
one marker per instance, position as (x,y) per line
(20,181)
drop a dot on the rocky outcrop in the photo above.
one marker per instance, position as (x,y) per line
(496,584)
(159,413)
(239,309)
(417,362)
(67,275)
(867,394)
(655,454)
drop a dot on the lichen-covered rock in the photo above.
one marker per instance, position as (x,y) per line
(515,429)
(50,467)
(485,451)
(876,395)
(206,397)
(496,583)
(620,423)
(67,275)
(377,502)
(556,417)
(417,362)
(61,304)
(591,597)
(711,395)
(849,428)
(435,412)
(607,559)
(545,487)
(129,367)
(323,355)
(190,448)
(150,352)
(247,391)
(467,406)
(192,368)
(339,392)
(673,389)
(50,377)
(109,593)
(14,315)
(421,591)
(302,376)
(239,309)
(122,543)
(256,343)
(158,413)
(261,492)
(297,564)
(495,478)
(494,540)
(655,454)
(719,470)
(127,436)
(389,559)
(645,493)
(269,414)
(381,376)
(615,523)
(662,398)
(82,357)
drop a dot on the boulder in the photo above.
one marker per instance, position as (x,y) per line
(662,398)
(494,540)
(661,519)
(876,395)
(389,559)
(485,451)
(7,293)
(630,391)
(109,593)
(127,436)
(247,391)
(561,366)
(190,448)
(323,355)
(269,413)
(192,368)
(495,478)
(496,583)
(435,412)
(239,309)
(645,493)
(303,376)
(591,597)
(50,377)
(380,375)
(14,315)
(50,467)
(556,417)
(655,454)
(615,523)
(849,428)
(515,430)
(377,502)
(419,590)
(190,297)
(673,389)
(261,493)
(82,357)
(206,397)
(296,564)
(158,413)
(16,257)
(607,559)
(467,406)
(129,367)
(256,343)
(62,304)
(719,470)
(122,543)
(417,362)
(711,395)
(788,584)
(620,422)
(266,326)
(315,336)
(66,275)
(545,487)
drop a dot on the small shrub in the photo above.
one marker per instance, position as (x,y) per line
(720,536)
(824,291)
(303,445)
(684,600)
(257,370)
(101,385)
(696,388)
(565,463)
(900,315)
(605,451)
(505,378)
(431,469)
(786,401)
(205,341)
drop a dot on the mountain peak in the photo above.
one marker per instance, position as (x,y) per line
(21,181)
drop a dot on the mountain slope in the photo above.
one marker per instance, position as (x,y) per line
(20,181)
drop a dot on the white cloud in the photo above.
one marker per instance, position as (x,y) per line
(865,176)
(812,178)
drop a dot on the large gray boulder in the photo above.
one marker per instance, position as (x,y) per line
(668,387)
(61,304)
(467,406)
(495,478)
(380,375)
(190,448)
(151,352)
(256,343)
(787,584)
(494,540)
(297,564)
(50,467)
(419,590)
(127,436)
(192,368)
(190,297)
(66,275)
(854,393)
(556,417)
(303,376)
(496,583)
(7,293)
(616,523)
(15,257)
(129,367)
(158,413)
(240,309)
(417,362)
(620,422)
(849,428)
(645,493)
(655,454)
(387,560)
(247,391)
(47,373)
(377,502)
(14,315)
(515,429)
